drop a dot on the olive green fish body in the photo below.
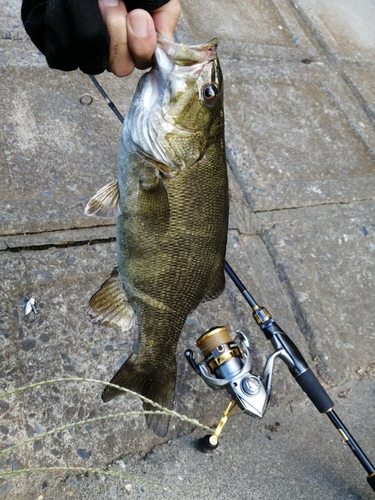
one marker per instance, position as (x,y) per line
(173,218)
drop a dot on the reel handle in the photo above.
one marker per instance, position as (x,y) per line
(204,444)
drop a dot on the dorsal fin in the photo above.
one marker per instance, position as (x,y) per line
(109,306)
(105,203)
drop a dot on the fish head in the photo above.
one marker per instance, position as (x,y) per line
(175,105)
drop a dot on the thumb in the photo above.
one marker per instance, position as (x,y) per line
(141,37)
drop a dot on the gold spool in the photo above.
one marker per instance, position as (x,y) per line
(231,353)
(213,339)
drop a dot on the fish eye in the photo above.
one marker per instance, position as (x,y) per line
(209,92)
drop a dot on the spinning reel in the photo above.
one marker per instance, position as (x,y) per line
(230,363)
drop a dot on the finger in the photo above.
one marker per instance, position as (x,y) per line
(166,18)
(114,14)
(141,37)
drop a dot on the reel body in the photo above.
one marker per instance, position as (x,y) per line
(227,365)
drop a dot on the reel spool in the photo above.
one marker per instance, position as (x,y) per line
(221,354)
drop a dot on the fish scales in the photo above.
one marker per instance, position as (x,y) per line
(172,216)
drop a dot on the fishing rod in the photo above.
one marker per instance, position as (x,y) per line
(227,364)
(230,364)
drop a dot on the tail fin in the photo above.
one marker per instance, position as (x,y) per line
(156,384)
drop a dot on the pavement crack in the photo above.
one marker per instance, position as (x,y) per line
(336,203)
(52,231)
(64,244)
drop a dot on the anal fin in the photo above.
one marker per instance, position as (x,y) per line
(109,305)
(105,203)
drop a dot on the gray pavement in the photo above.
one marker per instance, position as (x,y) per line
(300,132)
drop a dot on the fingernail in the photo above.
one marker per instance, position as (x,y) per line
(110,3)
(138,23)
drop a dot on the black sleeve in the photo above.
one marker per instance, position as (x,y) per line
(72,34)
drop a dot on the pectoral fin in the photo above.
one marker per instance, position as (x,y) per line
(153,197)
(105,203)
(109,305)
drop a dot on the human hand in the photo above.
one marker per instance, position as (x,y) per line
(133,35)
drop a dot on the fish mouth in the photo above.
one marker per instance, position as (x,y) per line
(184,55)
(173,58)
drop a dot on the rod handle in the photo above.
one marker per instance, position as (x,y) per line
(315,391)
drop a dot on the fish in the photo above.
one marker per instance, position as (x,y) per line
(171,205)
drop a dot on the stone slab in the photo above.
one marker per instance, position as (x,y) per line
(327,268)
(55,152)
(343,27)
(293,452)
(296,136)
(59,341)
(266,30)
(46,183)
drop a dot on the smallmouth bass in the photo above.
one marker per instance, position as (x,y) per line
(171,203)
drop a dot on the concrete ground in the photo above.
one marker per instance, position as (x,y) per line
(300,112)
